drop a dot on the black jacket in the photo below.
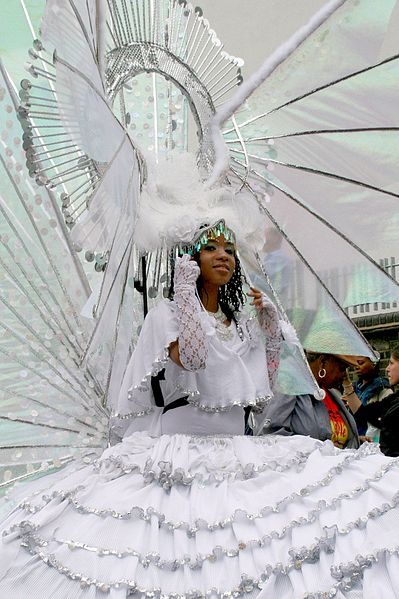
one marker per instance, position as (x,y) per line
(385,415)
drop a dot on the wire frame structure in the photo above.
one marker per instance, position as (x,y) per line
(168,38)
(312,137)
(51,410)
(315,137)
(82,73)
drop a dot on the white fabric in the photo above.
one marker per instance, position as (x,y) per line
(273,503)
(270,325)
(193,514)
(210,389)
(193,350)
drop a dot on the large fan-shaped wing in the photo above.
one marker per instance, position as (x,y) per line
(77,145)
(51,411)
(317,140)
(73,139)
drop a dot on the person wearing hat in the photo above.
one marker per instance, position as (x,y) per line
(305,415)
(383,414)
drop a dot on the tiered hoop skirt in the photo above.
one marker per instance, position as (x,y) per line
(188,516)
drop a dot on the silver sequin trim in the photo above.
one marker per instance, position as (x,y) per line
(219,552)
(201,524)
(309,555)
(157,366)
(247,583)
(129,415)
(352,572)
(163,472)
(260,402)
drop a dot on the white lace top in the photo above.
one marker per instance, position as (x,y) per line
(235,373)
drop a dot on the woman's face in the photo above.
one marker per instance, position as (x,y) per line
(335,372)
(365,367)
(393,370)
(217,261)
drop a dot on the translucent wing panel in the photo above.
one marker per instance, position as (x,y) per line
(113,205)
(319,322)
(350,40)
(318,141)
(348,273)
(337,150)
(70,28)
(86,115)
(365,98)
(366,217)
(46,400)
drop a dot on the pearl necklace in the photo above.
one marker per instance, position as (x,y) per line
(224,332)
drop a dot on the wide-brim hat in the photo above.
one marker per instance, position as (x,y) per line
(348,360)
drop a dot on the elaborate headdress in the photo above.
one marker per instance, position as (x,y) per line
(176,207)
(308,164)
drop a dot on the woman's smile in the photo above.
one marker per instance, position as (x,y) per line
(217,261)
(223,267)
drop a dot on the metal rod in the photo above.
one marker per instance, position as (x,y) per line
(208,71)
(37,154)
(35,147)
(57,165)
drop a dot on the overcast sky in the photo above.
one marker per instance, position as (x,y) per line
(251,29)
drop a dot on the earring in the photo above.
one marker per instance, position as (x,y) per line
(322,373)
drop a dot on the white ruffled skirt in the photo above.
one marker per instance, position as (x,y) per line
(193,516)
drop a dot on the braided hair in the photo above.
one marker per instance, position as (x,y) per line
(231,297)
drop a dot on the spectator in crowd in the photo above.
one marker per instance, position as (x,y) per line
(369,387)
(305,415)
(383,414)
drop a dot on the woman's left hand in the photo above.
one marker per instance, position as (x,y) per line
(257,298)
(261,301)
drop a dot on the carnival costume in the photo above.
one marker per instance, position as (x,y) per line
(190,507)
(135,477)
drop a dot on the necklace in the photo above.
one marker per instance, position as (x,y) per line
(223,331)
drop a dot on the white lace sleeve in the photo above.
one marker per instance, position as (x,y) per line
(270,325)
(193,349)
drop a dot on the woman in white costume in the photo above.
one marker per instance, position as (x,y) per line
(191,507)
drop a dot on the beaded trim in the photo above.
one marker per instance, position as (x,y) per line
(353,572)
(201,524)
(211,233)
(246,585)
(309,555)
(260,401)
(129,415)
(224,332)
(219,552)
(157,366)
(167,477)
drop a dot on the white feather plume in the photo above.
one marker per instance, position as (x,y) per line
(175,203)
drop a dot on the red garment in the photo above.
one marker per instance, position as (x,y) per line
(339,429)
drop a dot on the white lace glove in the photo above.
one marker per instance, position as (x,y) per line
(193,349)
(269,323)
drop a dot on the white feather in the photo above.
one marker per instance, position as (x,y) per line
(175,203)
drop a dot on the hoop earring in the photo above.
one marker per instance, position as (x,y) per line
(322,373)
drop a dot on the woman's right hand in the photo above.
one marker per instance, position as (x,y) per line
(191,349)
(186,271)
